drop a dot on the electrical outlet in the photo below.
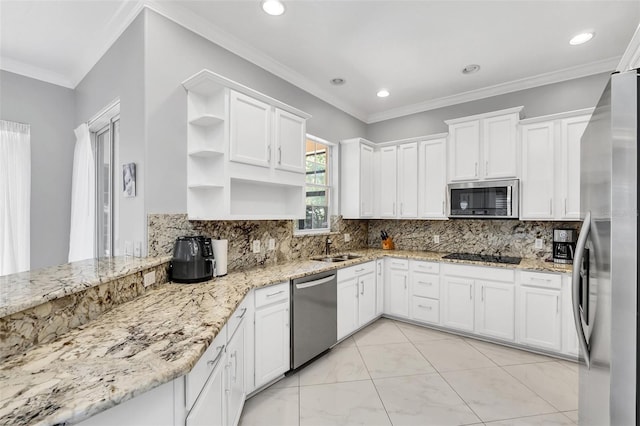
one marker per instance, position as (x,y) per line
(256,246)
(272,244)
(149,278)
(347,238)
(436,239)
(538,244)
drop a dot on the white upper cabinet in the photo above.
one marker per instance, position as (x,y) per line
(551,166)
(250,125)
(408,180)
(387,193)
(357,174)
(464,151)
(432,182)
(537,171)
(484,146)
(290,133)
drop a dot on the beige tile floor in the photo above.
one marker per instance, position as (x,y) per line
(392,373)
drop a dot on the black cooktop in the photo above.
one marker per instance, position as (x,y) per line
(484,258)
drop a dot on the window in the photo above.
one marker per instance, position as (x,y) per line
(105,140)
(318,186)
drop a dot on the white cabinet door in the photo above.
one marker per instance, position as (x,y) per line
(250,130)
(209,409)
(272,342)
(235,375)
(366,298)
(347,307)
(537,171)
(458,304)
(495,309)
(572,130)
(408,180)
(366,181)
(540,320)
(290,137)
(397,289)
(432,185)
(379,287)
(500,147)
(388,181)
(464,150)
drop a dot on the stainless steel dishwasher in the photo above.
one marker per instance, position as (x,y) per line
(314,327)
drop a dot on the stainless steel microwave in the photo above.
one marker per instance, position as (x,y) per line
(484,200)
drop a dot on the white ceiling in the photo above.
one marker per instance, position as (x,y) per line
(415,49)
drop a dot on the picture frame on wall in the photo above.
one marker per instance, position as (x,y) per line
(129,180)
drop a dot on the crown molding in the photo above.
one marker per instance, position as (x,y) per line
(631,56)
(597,67)
(195,23)
(37,73)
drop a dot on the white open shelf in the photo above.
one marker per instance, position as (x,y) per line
(206,120)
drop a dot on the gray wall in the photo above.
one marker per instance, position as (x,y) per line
(173,54)
(120,74)
(49,109)
(553,98)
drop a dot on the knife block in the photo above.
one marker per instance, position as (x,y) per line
(388,244)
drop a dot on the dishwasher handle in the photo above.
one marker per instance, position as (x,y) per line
(315,282)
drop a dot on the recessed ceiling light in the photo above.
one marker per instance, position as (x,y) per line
(337,81)
(581,38)
(383,93)
(273,7)
(470,69)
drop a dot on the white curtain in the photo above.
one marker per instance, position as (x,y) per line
(83,198)
(15,197)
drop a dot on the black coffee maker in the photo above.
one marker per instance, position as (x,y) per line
(192,260)
(564,245)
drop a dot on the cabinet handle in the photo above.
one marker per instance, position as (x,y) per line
(269,153)
(394,209)
(244,311)
(379,265)
(424,282)
(287,311)
(362,208)
(362,292)
(214,362)
(443,207)
(470,295)
(482,294)
(279,155)
(397,264)
(275,294)
(551,206)
(557,304)
(486,167)
(565,206)
(401,208)
(425,307)
(227,389)
(544,280)
(360,270)
(234,357)
(476,175)
(405,282)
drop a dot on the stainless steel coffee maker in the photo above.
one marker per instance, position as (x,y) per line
(564,244)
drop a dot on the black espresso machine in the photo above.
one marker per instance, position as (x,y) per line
(564,244)
(192,260)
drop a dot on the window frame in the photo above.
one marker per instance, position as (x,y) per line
(330,186)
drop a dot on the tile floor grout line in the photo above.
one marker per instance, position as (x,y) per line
(461,398)
(382,402)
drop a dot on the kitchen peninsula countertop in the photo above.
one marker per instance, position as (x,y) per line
(149,341)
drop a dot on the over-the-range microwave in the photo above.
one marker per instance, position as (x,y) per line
(496,199)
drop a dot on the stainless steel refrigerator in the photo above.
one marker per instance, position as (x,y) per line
(605,268)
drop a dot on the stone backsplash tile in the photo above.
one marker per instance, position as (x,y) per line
(506,237)
(163,229)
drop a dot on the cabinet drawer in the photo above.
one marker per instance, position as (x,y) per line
(479,272)
(397,263)
(425,285)
(237,316)
(355,271)
(423,309)
(200,372)
(272,294)
(428,267)
(539,279)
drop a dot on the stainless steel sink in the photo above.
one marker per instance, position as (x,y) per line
(338,258)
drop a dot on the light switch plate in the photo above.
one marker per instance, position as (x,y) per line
(436,239)
(272,244)
(149,278)
(256,246)
(538,244)
(347,238)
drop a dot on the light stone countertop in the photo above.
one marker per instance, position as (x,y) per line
(25,290)
(146,342)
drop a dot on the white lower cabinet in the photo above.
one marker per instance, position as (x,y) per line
(396,284)
(379,287)
(425,291)
(210,406)
(540,306)
(271,333)
(479,300)
(357,300)
(235,371)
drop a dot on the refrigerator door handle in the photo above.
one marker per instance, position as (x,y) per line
(575,287)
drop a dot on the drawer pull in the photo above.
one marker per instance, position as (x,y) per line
(360,270)
(275,294)
(425,307)
(425,282)
(213,362)
(244,311)
(397,264)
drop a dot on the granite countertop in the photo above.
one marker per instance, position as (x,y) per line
(25,290)
(148,341)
